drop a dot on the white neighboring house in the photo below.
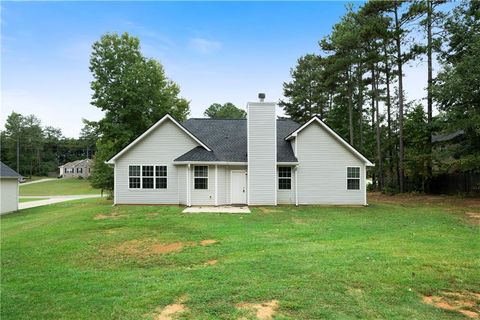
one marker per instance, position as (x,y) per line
(8,189)
(258,161)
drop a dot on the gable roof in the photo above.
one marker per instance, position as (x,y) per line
(316,119)
(7,172)
(228,140)
(151,129)
(76,163)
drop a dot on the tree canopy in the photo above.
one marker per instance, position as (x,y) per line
(226,111)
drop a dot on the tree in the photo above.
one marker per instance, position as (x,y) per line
(225,111)
(306,94)
(456,88)
(133,92)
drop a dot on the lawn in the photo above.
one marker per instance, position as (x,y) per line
(88,260)
(58,187)
(30,199)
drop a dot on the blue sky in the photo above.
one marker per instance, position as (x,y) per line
(215,51)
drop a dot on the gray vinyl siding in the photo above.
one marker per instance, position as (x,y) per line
(262,154)
(322,172)
(182,184)
(286,196)
(8,194)
(204,197)
(160,147)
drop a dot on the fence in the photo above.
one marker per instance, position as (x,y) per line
(454,183)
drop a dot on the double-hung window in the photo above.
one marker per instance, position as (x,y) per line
(79,170)
(147,177)
(161,177)
(200,174)
(134,177)
(353,178)
(284,178)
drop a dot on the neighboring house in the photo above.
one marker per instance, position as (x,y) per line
(75,169)
(258,161)
(8,189)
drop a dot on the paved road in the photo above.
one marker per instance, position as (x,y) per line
(52,200)
(37,181)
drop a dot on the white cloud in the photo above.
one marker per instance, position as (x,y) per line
(204,46)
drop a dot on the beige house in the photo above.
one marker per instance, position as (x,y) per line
(75,169)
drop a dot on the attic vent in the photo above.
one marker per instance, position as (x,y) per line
(261,96)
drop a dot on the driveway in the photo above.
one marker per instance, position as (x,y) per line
(52,200)
(37,181)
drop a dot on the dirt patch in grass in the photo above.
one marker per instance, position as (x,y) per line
(415,198)
(466,303)
(149,247)
(263,311)
(207,242)
(113,215)
(473,217)
(145,248)
(170,311)
(211,262)
(269,210)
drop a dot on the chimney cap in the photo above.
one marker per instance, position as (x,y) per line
(261,96)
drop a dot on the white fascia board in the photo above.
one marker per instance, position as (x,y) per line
(152,128)
(334,134)
(226,163)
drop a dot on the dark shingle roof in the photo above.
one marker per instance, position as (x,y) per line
(7,172)
(228,140)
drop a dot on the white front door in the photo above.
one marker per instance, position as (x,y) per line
(239,187)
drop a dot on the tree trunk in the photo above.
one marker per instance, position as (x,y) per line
(429,91)
(350,106)
(377,127)
(374,176)
(388,103)
(360,103)
(401,174)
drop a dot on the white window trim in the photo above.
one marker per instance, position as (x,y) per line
(207,177)
(359,178)
(278,178)
(141,177)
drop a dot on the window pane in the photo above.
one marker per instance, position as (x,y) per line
(134,183)
(353,184)
(147,171)
(147,183)
(134,171)
(353,172)
(161,183)
(285,172)
(161,171)
(201,183)
(284,184)
(201,171)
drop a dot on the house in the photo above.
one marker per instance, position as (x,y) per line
(258,161)
(75,169)
(8,189)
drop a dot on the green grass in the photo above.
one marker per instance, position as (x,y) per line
(58,262)
(30,199)
(58,187)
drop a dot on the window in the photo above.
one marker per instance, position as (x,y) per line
(353,178)
(201,177)
(68,170)
(161,177)
(284,178)
(79,170)
(134,177)
(147,177)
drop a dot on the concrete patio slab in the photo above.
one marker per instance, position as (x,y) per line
(218,209)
